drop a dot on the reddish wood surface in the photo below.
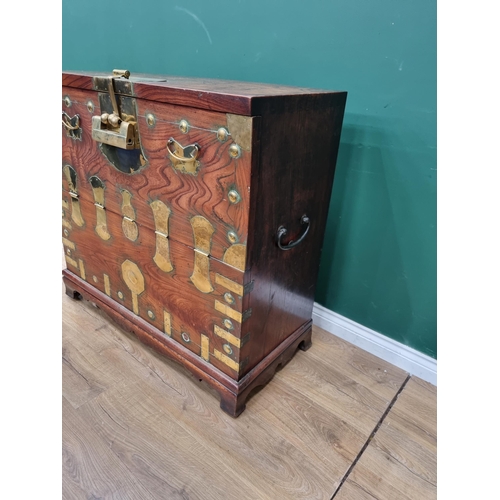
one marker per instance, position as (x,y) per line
(298,153)
(233,394)
(244,98)
(186,195)
(191,311)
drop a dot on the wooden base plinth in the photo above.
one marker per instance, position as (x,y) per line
(233,394)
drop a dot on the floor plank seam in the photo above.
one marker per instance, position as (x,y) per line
(365,490)
(371,436)
(408,469)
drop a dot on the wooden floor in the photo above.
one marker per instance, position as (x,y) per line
(335,422)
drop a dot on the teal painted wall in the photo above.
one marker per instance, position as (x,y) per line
(378,263)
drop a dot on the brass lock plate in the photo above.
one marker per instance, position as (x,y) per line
(116,129)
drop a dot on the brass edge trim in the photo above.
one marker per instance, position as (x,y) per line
(226,360)
(68,243)
(224,334)
(229,284)
(71,261)
(240,128)
(81,265)
(228,311)
(167,323)
(205,354)
(107,285)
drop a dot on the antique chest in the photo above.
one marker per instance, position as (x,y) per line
(194,212)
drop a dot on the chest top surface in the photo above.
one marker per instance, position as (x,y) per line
(244,98)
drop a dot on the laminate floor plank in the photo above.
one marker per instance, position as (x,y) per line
(90,469)
(359,367)
(400,461)
(145,416)
(259,451)
(157,449)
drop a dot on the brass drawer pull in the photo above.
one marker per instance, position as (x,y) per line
(282,231)
(72,126)
(183,158)
(66,121)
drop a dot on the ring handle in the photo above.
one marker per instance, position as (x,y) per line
(193,154)
(66,121)
(282,231)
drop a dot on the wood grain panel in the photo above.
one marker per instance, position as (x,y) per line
(192,312)
(297,160)
(186,195)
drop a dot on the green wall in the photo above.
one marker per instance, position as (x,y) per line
(378,264)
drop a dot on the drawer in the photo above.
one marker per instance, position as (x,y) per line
(218,189)
(208,324)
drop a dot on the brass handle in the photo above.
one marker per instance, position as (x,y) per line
(282,231)
(193,154)
(66,121)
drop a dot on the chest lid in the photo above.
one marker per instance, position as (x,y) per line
(243,98)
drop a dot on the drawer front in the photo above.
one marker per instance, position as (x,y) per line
(209,324)
(217,188)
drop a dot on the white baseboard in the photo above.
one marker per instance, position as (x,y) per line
(400,355)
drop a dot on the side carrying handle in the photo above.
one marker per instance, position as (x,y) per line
(282,231)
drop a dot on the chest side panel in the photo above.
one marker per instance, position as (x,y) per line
(298,153)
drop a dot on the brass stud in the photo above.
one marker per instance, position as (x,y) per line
(184,126)
(90,106)
(150,119)
(120,295)
(67,101)
(234,151)
(95,279)
(227,349)
(185,337)
(151,314)
(232,237)
(229,298)
(66,232)
(222,134)
(234,196)
(228,324)
(68,251)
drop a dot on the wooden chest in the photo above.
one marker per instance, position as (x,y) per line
(194,213)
